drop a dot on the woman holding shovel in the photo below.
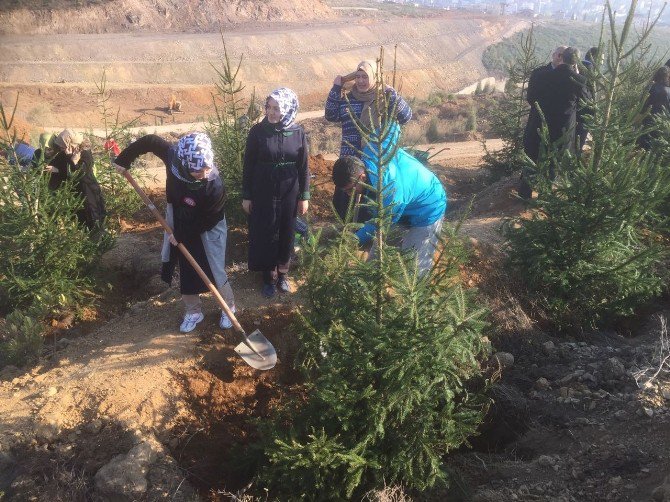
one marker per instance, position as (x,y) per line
(195,196)
(275,187)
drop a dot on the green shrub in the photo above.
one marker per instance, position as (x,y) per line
(590,253)
(508,119)
(44,250)
(389,359)
(433,133)
(387,400)
(229,128)
(21,339)
(121,200)
(471,121)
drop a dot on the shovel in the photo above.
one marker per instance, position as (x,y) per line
(255,349)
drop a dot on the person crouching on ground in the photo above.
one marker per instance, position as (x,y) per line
(196,195)
(275,188)
(417,199)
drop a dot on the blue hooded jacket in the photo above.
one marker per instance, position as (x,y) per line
(416,196)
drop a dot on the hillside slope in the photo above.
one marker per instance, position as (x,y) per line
(114,16)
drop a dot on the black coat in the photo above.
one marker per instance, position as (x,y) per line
(93,212)
(197,207)
(276,177)
(559,92)
(657,102)
(531,142)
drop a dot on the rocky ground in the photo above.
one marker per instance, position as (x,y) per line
(578,420)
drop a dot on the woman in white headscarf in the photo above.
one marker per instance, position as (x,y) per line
(275,188)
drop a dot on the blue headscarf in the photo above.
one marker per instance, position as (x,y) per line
(288,105)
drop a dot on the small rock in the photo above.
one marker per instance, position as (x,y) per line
(613,369)
(62,343)
(46,432)
(72,437)
(587,377)
(546,460)
(564,392)
(542,384)
(548,347)
(94,426)
(505,359)
(173,443)
(648,411)
(620,415)
(52,391)
(666,393)
(662,493)
(124,477)
(615,480)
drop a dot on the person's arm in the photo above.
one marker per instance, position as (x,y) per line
(303,170)
(394,203)
(531,92)
(146,144)
(332,112)
(403,111)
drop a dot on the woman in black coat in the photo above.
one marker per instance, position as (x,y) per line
(275,188)
(63,157)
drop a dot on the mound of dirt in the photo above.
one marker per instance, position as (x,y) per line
(113,16)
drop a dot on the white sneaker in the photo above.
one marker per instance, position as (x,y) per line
(190,321)
(225,322)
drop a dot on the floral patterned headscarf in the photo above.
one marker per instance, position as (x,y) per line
(288,105)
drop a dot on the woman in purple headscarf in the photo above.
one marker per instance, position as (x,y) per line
(275,188)
(196,196)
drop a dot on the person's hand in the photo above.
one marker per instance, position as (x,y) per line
(303,205)
(246,206)
(119,169)
(338,80)
(51,169)
(172,239)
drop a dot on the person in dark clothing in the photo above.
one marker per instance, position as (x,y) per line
(559,94)
(361,103)
(64,157)
(196,196)
(275,188)
(562,90)
(657,102)
(531,139)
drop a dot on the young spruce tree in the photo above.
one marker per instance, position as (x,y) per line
(387,356)
(589,253)
(229,128)
(509,118)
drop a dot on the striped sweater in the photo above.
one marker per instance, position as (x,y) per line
(337,110)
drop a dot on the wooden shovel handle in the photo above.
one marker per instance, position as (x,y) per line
(186,254)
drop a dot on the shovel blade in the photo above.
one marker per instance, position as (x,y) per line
(263,346)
